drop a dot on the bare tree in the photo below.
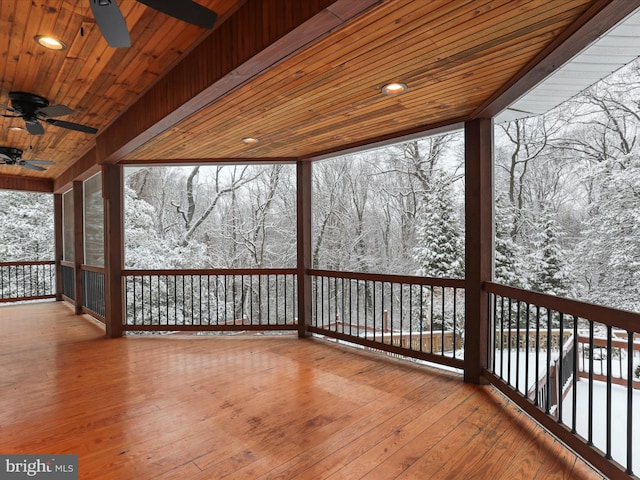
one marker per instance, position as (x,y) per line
(224,181)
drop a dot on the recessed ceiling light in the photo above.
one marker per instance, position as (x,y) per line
(50,42)
(250,140)
(16,129)
(394,88)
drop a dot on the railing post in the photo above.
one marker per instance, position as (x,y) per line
(478,243)
(112,192)
(57,228)
(78,244)
(303,201)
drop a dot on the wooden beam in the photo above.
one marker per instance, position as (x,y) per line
(78,243)
(303,177)
(478,243)
(84,168)
(596,21)
(57,243)
(169,162)
(29,184)
(211,70)
(112,192)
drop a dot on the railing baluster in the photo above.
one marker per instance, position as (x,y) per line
(509,345)
(431,319)
(455,319)
(358,307)
(527,347)
(609,405)
(342,310)
(630,374)
(547,407)
(518,345)
(590,412)
(421,318)
(574,400)
(537,398)
(443,322)
(502,337)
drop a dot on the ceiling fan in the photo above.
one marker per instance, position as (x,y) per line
(114,29)
(35,109)
(13,156)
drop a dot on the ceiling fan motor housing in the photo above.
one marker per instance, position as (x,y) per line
(14,154)
(27,103)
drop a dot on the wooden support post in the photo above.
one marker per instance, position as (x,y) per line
(78,244)
(112,192)
(57,229)
(303,176)
(478,243)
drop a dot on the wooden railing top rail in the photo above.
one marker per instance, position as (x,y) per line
(64,263)
(602,342)
(380,277)
(626,320)
(212,271)
(26,299)
(35,262)
(91,268)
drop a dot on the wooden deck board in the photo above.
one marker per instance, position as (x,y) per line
(249,407)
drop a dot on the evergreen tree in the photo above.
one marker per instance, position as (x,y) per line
(440,250)
(551,273)
(509,267)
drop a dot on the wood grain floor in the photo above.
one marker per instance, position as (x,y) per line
(251,407)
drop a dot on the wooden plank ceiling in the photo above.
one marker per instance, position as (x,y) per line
(302,77)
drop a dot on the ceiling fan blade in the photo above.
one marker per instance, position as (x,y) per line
(54,111)
(6,158)
(12,110)
(111,23)
(34,127)
(31,167)
(185,10)
(40,162)
(72,126)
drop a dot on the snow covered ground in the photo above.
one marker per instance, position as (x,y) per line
(618,423)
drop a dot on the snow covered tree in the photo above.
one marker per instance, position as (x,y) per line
(609,254)
(509,266)
(256,223)
(439,251)
(551,273)
(605,141)
(27,226)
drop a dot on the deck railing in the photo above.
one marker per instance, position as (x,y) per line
(573,366)
(27,280)
(416,317)
(214,300)
(593,358)
(570,365)
(93,291)
(68,280)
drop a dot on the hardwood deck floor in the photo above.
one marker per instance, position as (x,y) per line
(250,407)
